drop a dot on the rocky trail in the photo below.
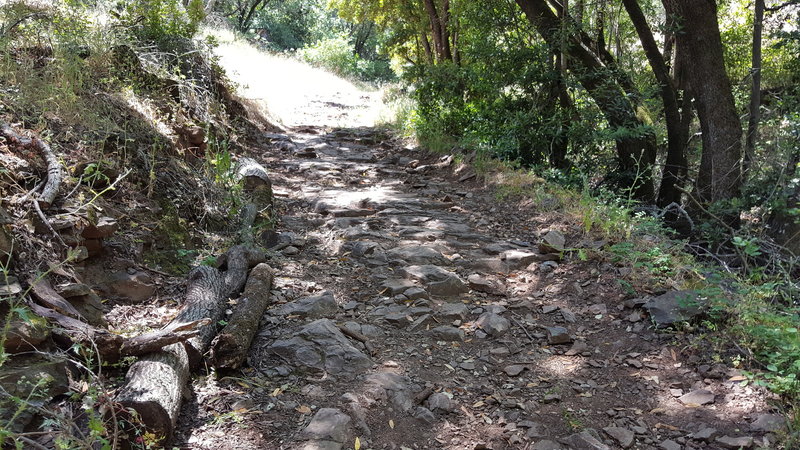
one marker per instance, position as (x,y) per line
(413,309)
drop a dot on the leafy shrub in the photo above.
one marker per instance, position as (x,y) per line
(164,19)
(336,55)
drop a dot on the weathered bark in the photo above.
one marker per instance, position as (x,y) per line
(438,23)
(755,88)
(229,349)
(719,177)
(154,388)
(677,135)
(154,385)
(636,152)
(55,174)
(109,347)
(156,340)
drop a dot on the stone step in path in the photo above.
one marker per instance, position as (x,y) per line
(416,311)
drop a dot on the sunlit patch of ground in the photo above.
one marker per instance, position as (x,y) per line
(292,92)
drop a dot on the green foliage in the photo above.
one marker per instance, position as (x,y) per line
(773,335)
(158,20)
(337,55)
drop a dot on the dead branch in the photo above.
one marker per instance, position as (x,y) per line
(55,173)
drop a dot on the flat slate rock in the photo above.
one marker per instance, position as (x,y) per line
(768,423)
(314,307)
(623,436)
(586,440)
(674,307)
(320,345)
(697,397)
(417,254)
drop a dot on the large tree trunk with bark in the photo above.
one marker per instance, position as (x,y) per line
(719,177)
(636,152)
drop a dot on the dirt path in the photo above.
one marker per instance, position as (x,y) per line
(453,302)
(412,309)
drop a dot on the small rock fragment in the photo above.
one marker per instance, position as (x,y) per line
(705,435)
(552,242)
(735,442)
(697,397)
(623,436)
(514,369)
(586,440)
(558,335)
(447,333)
(669,444)
(493,324)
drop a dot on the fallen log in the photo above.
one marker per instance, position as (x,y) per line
(43,291)
(229,349)
(55,174)
(155,384)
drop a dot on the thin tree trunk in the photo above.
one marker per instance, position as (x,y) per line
(755,91)
(436,29)
(444,26)
(599,26)
(426,45)
(676,136)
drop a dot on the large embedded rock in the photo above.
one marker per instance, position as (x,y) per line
(135,287)
(320,345)
(391,387)
(417,254)
(314,307)
(328,425)
(437,280)
(674,307)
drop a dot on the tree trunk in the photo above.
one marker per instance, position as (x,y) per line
(755,91)
(599,27)
(426,45)
(444,28)
(676,134)
(436,29)
(636,152)
(229,349)
(719,176)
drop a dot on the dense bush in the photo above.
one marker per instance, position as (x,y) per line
(336,55)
